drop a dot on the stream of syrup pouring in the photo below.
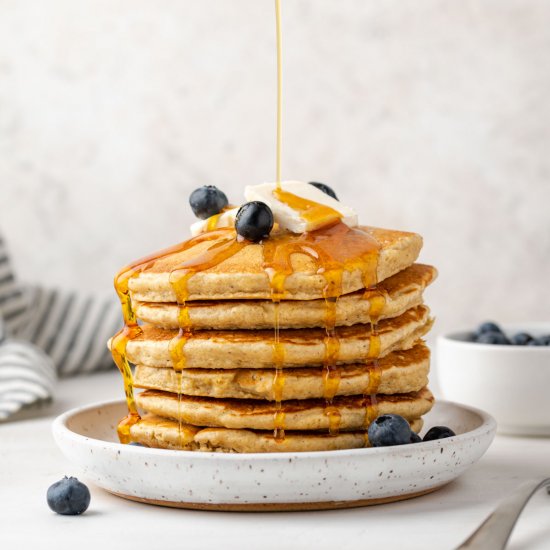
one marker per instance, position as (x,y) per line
(335,248)
(276,280)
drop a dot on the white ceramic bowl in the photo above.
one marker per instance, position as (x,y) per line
(510,382)
(274,481)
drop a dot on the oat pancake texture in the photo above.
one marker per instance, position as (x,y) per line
(398,372)
(307,414)
(302,347)
(154,431)
(399,293)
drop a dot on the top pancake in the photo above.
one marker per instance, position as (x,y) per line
(243,276)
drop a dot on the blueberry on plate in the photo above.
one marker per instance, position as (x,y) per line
(521,339)
(324,188)
(488,326)
(388,430)
(415,438)
(438,432)
(68,497)
(493,338)
(207,201)
(254,221)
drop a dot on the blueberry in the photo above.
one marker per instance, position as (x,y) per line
(488,326)
(540,341)
(388,430)
(254,221)
(438,432)
(324,188)
(493,338)
(68,497)
(207,201)
(415,438)
(521,339)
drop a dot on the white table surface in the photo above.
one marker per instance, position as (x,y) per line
(30,462)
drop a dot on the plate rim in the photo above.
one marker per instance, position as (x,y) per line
(61,430)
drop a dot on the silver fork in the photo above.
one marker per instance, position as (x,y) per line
(494,532)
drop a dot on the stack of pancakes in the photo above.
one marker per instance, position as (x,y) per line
(217,376)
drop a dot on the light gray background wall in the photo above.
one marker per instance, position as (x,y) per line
(428,115)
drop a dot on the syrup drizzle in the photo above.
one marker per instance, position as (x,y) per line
(131,330)
(224,245)
(212,221)
(278,379)
(335,250)
(377,301)
(276,279)
(220,250)
(331,373)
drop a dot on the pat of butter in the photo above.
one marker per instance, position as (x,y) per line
(225,219)
(300,207)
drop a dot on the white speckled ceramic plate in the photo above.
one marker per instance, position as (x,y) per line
(276,481)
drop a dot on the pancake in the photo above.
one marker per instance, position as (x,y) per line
(307,414)
(153,431)
(398,372)
(243,276)
(302,347)
(400,292)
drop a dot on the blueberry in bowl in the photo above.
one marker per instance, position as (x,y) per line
(490,332)
(521,339)
(543,340)
(486,327)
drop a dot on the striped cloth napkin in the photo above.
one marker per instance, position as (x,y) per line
(46,333)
